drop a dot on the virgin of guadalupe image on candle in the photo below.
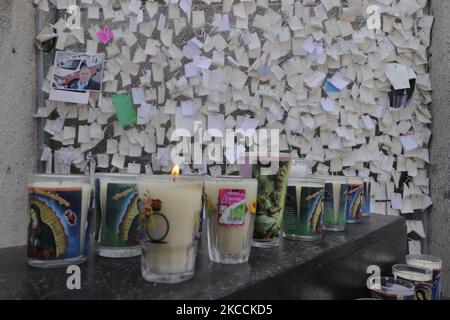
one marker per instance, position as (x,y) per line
(54,228)
(355,201)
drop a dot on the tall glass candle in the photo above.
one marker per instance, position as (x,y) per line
(355,200)
(170,218)
(271,200)
(420,277)
(59,220)
(334,203)
(366,195)
(230,206)
(303,214)
(434,264)
(117,216)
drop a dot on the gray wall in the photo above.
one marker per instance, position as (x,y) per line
(440,147)
(18,133)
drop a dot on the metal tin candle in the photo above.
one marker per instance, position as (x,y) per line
(117,216)
(422,279)
(230,206)
(170,211)
(303,214)
(355,200)
(334,218)
(431,263)
(59,220)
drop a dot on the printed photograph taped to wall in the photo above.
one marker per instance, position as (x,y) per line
(78,71)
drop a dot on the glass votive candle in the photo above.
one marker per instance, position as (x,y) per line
(117,215)
(421,278)
(303,214)
(230,207)
(387,288)
(334,202)
(59,211)
(170,210)
(355,200)
(431,263)
(365,210)
(270,202)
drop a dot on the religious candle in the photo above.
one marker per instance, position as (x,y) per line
(59,219)
(334,203)
(170,211)
(117,216)
(420,277)
(272,186)
(434,264)
(230,206)
(366,195)
(303,214)
(387,288)
(355,200)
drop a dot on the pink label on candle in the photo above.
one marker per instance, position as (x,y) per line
(105,35)
(232,207)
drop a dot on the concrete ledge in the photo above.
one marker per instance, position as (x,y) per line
(332,268)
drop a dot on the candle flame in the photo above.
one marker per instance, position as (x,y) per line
(175,171)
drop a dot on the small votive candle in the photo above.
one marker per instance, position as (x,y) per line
(59,219)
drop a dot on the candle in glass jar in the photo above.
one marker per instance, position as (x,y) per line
(170,217)
(58,232)
(230,205)
(117,215)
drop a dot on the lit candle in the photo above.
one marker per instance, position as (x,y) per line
(117,223)
(58,231)
(170,216)
(231,207)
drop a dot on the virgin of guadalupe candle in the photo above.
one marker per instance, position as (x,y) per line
(59,220)
(355,200)
(334,203)
(270,201)
(366,195)
(422,279)
(170,211)
(431,263)
(117,216)
(386,288)
(230,207)
(303,214)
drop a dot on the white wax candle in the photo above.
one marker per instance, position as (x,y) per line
(231,239)
(181,203)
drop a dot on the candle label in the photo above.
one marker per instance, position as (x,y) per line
(303,214)
(355,202)
(121,227)
(423,288)
(54,231)
(366,204)
(332,202)
(154,222)
(232,207)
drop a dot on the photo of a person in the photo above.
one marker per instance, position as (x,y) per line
(85,82)
(76,71)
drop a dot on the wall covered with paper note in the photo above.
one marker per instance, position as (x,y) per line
(348,97)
